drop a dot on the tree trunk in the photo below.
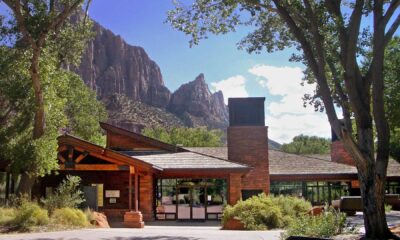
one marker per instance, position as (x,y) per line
(373,197)
(25,185)
(27,180)
(39,123)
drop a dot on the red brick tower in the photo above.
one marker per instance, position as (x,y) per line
(248,143)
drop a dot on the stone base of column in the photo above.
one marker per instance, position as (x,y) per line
(133,219)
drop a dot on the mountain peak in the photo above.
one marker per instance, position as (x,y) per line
(195,104)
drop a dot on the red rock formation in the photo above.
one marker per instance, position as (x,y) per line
(197,106)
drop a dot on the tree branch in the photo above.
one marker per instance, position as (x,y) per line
(309,55)
(16,8)
(389,34)
(391,9)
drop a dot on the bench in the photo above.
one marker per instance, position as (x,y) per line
(351,204)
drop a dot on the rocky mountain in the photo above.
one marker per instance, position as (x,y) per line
(117,70)
(110,65)
(197,106)
(135,115)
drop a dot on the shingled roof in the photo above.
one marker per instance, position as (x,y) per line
(286,164)
(188,160)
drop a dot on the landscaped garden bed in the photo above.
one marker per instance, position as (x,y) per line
(57,212)
(290,213)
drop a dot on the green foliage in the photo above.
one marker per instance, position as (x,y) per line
(266,212)
(392,94)
(388,208)
(29,214)
(7,215)
(67,195)
(188,137)
(70,217)
(291,207)
(328,224)
(69,105)
(56,40)
(303,144)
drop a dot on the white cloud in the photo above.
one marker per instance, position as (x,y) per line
(283,128)
(231,87)
(285,82)
(287,117)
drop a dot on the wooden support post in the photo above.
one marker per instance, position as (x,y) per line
(70,154)
(329,194)
(136,191)
(130,191)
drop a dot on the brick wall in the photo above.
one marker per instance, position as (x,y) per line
(249,145)
(339,154)
(234,188)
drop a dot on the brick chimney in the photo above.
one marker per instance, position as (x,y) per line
(248,143)
(338,153)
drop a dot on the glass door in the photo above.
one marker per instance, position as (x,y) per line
(183,203)
(199,203)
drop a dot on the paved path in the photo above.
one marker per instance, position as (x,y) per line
(149,233)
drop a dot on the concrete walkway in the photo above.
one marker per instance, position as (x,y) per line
(149,233)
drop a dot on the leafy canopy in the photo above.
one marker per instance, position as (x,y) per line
(187,137)
(303,144)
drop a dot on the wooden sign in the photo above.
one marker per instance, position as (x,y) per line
(112,193)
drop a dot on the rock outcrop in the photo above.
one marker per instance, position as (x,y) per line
(197,106)
(110,65)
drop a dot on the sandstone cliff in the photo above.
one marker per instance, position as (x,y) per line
(132,88)
(110,65)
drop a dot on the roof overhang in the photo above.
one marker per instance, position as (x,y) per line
(101,152)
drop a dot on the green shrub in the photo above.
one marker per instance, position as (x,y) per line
(291,207)
(67,195)
(388,208)
(266,212)
(70,217)
(256,213)
(7,215)
(326,225)
(89,215)
(29,214)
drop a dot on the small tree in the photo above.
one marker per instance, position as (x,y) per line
(67,195)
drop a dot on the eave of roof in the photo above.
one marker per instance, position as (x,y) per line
(91,147)
(191,161)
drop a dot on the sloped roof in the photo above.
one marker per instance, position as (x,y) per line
(189,160)
(281,163)
(141,138)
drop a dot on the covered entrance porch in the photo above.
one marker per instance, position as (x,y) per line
(113,183)
(186,199)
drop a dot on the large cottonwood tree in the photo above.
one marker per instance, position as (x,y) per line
(43,26)
(333,40)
